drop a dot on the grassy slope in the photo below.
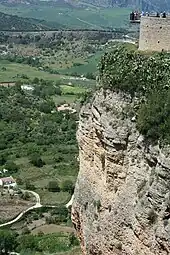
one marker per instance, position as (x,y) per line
(71,17)
(8,22)
(89,65)
(14,69)
(40,177)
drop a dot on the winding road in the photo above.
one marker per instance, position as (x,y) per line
(37,205)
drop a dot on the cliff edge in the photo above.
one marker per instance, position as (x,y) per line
(122,195)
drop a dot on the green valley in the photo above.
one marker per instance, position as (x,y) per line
(56,16)
(45,77)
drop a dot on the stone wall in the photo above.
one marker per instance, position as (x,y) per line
(154,34)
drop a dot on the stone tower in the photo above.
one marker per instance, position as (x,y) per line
(154,34)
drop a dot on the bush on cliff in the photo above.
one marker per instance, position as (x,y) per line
(131,71)
(141,75)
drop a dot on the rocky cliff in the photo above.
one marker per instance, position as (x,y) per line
(122,195)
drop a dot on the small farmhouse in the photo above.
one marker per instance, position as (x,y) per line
(7,182)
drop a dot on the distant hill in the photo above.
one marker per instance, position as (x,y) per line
(14,22)
(147,5)
(72,14)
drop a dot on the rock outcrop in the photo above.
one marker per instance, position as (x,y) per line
(122,195)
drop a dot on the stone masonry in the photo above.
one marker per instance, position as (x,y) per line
(154,34)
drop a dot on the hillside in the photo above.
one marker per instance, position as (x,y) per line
(72,17)
(13,22)
(148,5)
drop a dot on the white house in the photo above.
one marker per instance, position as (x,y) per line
(7,182)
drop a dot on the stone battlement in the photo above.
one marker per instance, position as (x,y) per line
(154,33)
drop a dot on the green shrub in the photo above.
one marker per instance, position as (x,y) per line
(53,186)
(11,166)
(152,216)
(37,161)
(73,239)
(8,241)
(67,186)
(29,185)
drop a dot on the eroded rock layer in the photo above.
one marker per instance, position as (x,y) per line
(122,195)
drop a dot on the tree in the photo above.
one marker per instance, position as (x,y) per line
(53,186)
(47,106)
(36,80)
(68,186)
(2,160)
(90,76)
(58,158)
(58,91)
(60,213)
(27,242)
(73,239)
(8,241)
(18,83)
(29,186)
(11,166)
(19,181)
(60,210)
(37,161)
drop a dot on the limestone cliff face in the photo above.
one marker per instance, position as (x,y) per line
(122,195)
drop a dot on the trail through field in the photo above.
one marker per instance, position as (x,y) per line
(37,205)
(88,23)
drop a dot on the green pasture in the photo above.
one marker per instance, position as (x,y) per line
(72,90)
(89,65)
(14,71)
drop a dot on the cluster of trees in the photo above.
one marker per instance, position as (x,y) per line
(59,215)
(57,38)
(32,61)
(46,88)
(10,241)
(19,113)
(66,186)
(29,129)
(142,75)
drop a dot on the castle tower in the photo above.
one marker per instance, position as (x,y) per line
(154,34)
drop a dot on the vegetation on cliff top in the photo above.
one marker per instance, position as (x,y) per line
(139,74)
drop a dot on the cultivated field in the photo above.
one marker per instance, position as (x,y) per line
(11,207)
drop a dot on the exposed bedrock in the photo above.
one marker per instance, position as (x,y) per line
(122,195)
